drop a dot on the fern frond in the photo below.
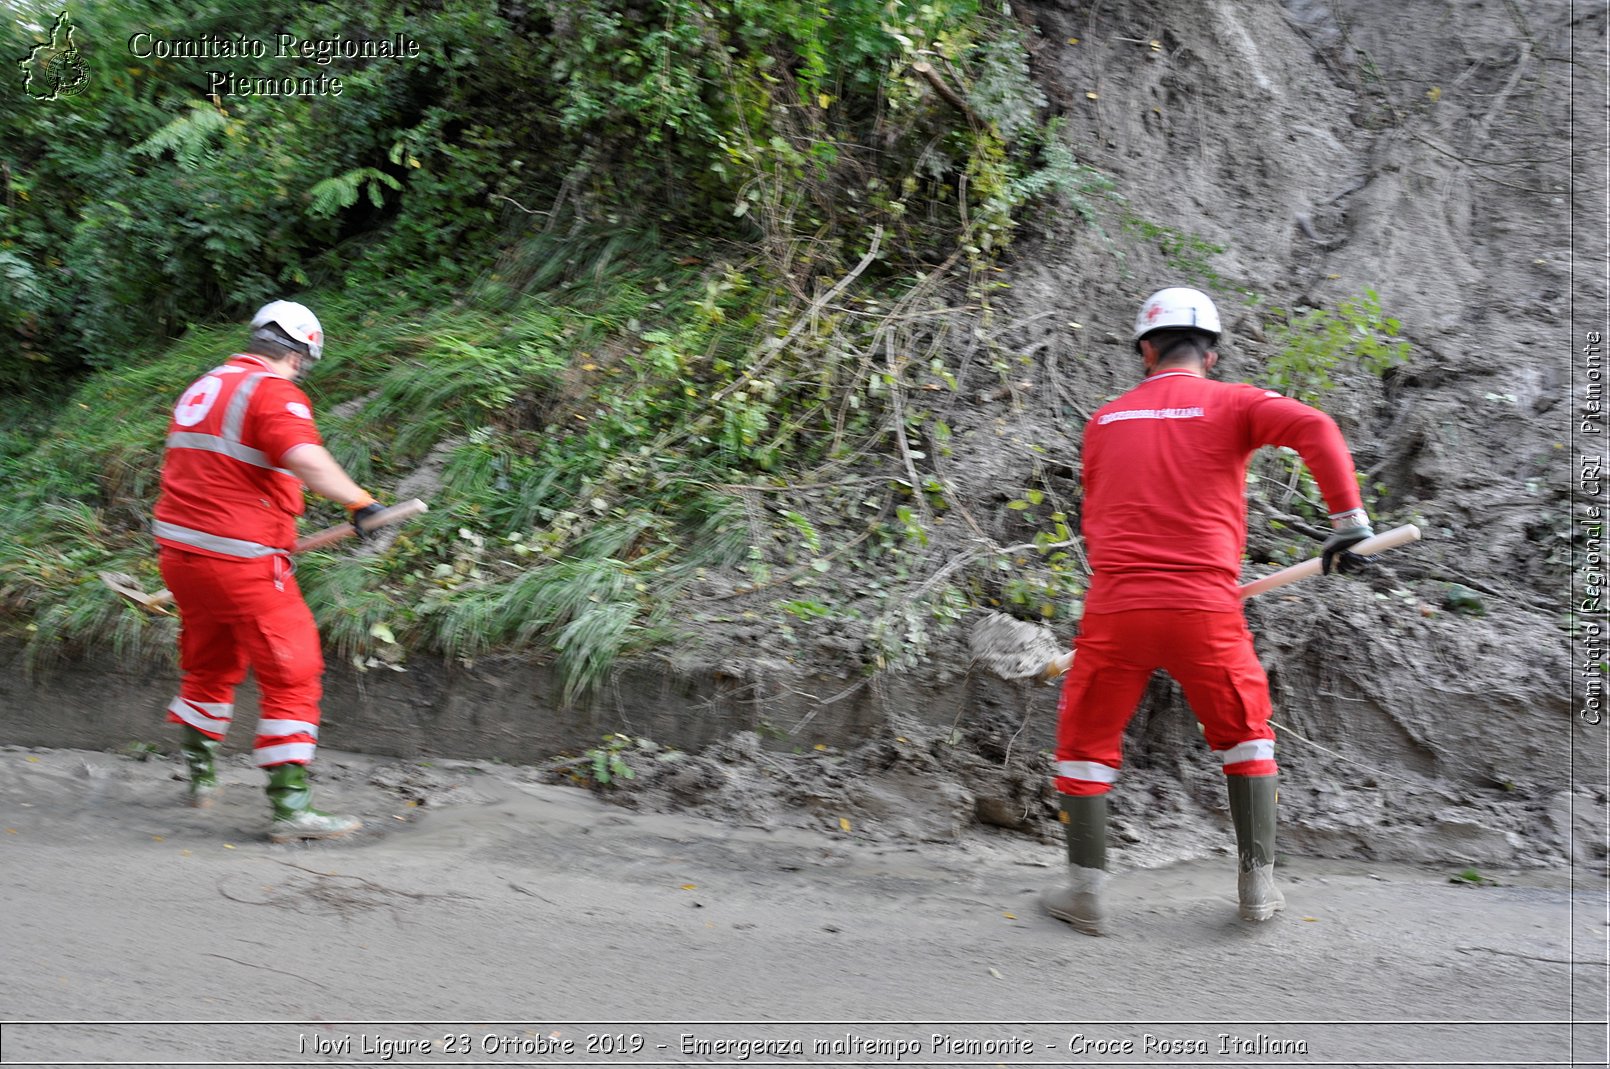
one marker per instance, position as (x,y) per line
(189,136)
(342,190)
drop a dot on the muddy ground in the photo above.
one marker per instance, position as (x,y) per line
(484,900)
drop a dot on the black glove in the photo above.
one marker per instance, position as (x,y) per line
(1335,555)
(360,516)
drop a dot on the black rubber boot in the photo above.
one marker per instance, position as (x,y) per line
(200,755)
(1079,901)
(1252,808)
(294,815)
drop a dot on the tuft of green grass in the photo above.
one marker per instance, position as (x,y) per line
(349,599)
(461,382)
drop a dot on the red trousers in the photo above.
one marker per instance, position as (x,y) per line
(1209,653)
(239,613)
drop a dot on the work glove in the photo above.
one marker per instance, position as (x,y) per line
(1335,556)
(362,511)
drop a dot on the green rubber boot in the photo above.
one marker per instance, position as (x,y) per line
(200,755)
(1252,808)
(1078,902)
(294,816)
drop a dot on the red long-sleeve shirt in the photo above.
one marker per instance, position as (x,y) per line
(1165,472)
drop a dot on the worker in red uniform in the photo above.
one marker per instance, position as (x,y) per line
(1164,523)
(241,447)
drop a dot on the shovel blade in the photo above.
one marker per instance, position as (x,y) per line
(123,585)
(1015,649)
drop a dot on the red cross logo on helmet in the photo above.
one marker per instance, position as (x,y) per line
(1177,306)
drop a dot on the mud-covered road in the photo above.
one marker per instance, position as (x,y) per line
(515,918)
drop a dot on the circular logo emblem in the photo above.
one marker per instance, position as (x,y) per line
(297,408)
(66,73)
(197,401)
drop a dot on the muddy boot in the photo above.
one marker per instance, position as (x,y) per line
(1084,822)
(200,755)
(294,816)
(1252,808)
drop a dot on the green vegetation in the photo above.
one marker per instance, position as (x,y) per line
(1314,345)
(659,289)
(1185,252)
(1463,600)
(606,763)
(1045,577)
(605,766)
(1315,348)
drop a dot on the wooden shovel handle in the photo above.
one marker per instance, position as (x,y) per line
(395,514)
(1397,536)
(316,540)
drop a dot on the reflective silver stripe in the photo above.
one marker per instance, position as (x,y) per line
(277,729)
(235,416)
(221,710)
(1256,750)
(285,751)
(214,444)
(231,547)
(1090,771)
(206,716)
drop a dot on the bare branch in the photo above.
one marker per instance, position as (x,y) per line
(808,317)
(517,204)
(942,87)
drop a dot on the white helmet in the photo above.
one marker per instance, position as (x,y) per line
(298,323)
(1177,307)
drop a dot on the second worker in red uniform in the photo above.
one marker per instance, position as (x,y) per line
(1164,523)
(240,447)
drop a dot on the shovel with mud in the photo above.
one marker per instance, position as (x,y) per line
(127,587)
